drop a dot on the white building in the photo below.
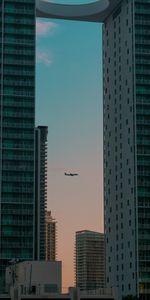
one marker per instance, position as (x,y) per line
(31,280)
(51,237)
(72,294)
(34,277)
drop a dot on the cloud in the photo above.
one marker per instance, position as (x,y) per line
(45,28)
(44,57)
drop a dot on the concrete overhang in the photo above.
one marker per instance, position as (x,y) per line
(96,11)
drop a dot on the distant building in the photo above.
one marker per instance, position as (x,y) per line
(50,237)
(90,260)
(41,133)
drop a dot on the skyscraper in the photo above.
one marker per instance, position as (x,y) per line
(89,260)
(51,235)
(17,122)
(126,54)
(126,59)
(41,133)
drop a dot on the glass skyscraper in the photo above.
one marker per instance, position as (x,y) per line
(17,123)
(142,90)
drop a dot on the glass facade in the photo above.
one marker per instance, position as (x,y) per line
(142,69)
(17,121)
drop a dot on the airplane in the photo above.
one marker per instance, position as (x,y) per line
(71,174)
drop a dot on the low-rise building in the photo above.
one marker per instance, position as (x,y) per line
(34,278)
(73,294)
(40,280)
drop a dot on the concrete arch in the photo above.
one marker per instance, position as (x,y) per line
(96,11)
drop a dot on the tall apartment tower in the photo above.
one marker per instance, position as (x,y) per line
(17,121)
(51,235)
(89,260)
(41,133)
(126,54)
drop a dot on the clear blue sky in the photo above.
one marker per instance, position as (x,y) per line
(69,101)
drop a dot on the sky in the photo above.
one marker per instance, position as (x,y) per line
(69,102)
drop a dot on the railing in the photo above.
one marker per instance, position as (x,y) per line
(25,11)
(139,21)
(18,114)
(17,222)
(143,132)
(19,31)
(18,157)
(18,62)
(19,83)
(17,245)
(15,41)
(17,125)
(18,136)
(144,11)
(24,52)
(18,72)
(17,168)
(142,71)
(142,41)
(100,291)
(17,234)
(13,20)
(17,179)
(143,81)
(142,61)
(18,104)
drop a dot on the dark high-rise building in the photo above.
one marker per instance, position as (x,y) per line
(40,191)
(126,53)
(17,126)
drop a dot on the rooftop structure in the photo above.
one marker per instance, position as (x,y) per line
(96,11)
